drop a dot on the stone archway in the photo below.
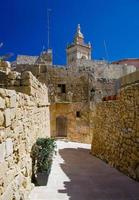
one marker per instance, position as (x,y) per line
(61,126)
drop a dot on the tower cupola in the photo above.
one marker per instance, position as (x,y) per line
(78,49)
(79,38)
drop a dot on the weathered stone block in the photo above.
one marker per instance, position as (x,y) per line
(2,103)
(7,115)
(2,92)
(2,134)
(19,129)
(13,101)
(13,75)
(26,82)
(2,152)
(9,147)
(10,93)
(13,113)
(27,90)
(7,101)
(3,169)
(26,75)
(10,176)
(8,194)
(1,118)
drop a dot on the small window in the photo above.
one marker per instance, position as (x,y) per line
(72,59)
(62,88)
(93,90)
(78,114)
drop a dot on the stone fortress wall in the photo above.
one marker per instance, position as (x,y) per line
(24,116)
(99,75)
(76,98)
(86,82)
(116,128)
(103,69)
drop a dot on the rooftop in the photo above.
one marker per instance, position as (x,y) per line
(128,61)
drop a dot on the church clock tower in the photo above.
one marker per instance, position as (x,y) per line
(78,49)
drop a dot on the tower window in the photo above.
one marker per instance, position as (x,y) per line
(62,88)
(78,114)
(92,92)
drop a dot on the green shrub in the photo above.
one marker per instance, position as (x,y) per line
(42,154)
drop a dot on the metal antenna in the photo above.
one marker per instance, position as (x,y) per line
(106,51)
(48,24)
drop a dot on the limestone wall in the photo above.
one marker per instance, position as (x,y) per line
(103,69)
(23,118)
(116,130)
(79,79)
(78,128)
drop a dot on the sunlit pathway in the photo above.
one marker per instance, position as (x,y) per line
(77,175)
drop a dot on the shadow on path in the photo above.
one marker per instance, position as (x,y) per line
(92,179)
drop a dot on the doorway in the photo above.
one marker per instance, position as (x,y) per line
(61,126)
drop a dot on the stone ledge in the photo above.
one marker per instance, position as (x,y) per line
(129,79)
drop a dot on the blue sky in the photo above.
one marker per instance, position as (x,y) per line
(23,27)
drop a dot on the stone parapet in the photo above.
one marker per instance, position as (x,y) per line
(5,66)
(25,83)
(129,79)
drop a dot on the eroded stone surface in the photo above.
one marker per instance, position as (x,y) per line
(1,118)
(25,121)
(2,103)
(9,146)
(116,131)
(2,152)
(7,115)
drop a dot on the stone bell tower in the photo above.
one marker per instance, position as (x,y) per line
(78,49)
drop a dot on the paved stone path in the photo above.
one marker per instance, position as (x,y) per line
(77,175)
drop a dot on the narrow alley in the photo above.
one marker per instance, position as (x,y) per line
(77,175)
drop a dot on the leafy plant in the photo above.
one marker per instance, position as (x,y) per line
(42,154)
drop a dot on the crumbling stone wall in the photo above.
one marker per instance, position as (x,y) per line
(23,118)
(116,128)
